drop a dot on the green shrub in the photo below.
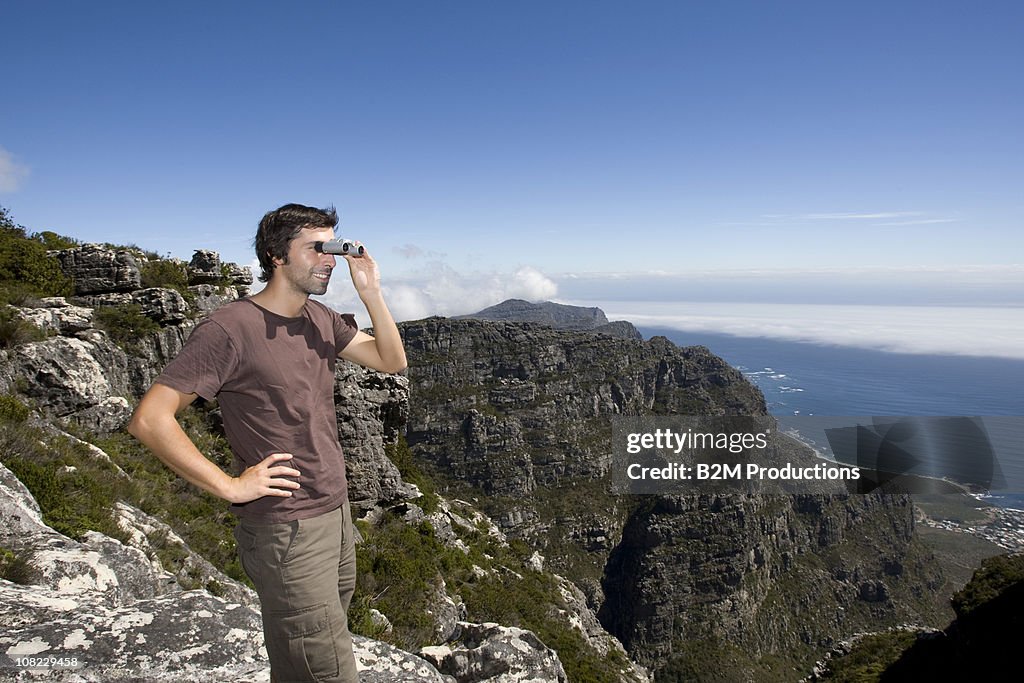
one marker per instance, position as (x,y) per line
(167,274)
(14,331)
(17,294)
(401,456)
(532,600)
(55,242)
(870,657)
(125,324)
(75,491)
(202,520)
(398,568)
(12,410)
(17,566)
(23,260)
(995,575)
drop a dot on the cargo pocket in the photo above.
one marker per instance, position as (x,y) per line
(300,644)
(245,540)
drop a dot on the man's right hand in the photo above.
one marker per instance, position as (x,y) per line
(268,478)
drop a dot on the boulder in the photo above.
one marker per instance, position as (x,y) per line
(97,300)
(96,269)
(497,654)
(55,314)
(445,612)
(101,568)
(67,376)
(165,306)
(107,416)
(240,276)
(209,298)
(372,408)
(204,268)
(192,570)
(186,636)
(381,663)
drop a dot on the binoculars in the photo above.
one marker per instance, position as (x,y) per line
(344,247)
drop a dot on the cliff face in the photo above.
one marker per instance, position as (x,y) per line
(754,577)
(515,415)
(518,412)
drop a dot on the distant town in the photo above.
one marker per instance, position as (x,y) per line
(1002,526)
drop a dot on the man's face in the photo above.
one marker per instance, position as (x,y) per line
(307,270)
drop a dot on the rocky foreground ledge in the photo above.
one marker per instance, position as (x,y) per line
(121,617)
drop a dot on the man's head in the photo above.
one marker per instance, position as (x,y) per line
(279,227)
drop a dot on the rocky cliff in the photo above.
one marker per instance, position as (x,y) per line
(515,416)
(518,413)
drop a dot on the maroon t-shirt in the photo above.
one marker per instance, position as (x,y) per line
(274,380)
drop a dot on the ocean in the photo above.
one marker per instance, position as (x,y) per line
(803,378)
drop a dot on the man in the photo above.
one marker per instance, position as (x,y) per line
(269,359)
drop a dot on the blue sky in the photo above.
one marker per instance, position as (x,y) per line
(800,151)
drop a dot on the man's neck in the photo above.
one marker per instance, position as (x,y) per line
(281,300)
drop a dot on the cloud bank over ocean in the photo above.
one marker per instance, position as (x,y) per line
(966,285)
(955,330)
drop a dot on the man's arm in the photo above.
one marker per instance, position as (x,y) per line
(384,350)
(155,425)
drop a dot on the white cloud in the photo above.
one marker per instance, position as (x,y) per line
(441,290)
(923,221)
(409,251)
(893,218)
(860,216)
(12,173)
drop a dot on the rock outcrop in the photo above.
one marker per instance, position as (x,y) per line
(372,411)
(78,379)
(490,652)
(55,315)
(509,407)
(96,269)
(81,374)
(118,613)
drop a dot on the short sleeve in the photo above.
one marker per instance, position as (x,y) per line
(345,329)
(205,364)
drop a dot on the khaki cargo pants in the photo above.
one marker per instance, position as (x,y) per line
(305,573)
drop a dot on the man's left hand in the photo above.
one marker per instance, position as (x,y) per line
(365,274)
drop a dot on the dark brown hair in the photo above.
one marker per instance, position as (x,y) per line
(280,226)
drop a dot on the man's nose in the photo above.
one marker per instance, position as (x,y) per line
(328,259)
